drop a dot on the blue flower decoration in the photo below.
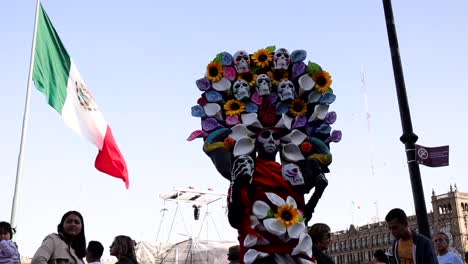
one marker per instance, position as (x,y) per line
(198,111)
(324,129)
(251,107)
(314,97)
(282,108)
(213,96)
(226,58)
(327,98)
(298,55)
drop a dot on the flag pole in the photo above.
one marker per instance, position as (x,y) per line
(19,167)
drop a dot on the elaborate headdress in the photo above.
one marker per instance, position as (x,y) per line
(271,88)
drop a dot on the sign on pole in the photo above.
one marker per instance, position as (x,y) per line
(432,157)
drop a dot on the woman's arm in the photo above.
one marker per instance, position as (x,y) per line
(44,252)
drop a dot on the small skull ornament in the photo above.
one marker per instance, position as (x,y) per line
(281,59)
(241,89)
(292,173)
(242,61)
(243,165)
(263,84)
(286,90)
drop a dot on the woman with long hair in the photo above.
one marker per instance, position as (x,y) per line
(123,248)
(68,245)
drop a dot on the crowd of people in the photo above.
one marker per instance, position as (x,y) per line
(409,247)
(68,245)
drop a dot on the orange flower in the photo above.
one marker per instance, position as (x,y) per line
(306,147)
(229,143)
(214,71)
(262,58)
(322,81)
(288,215)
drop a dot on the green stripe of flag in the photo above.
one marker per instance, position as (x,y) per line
(52,63)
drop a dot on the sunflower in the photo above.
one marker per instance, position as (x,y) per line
(234,107)
(249,77)
(214,71)
(288,215)
(277,76)
(262,58)
(298,107)
(322,81)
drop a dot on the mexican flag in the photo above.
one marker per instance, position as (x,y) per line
(57,77)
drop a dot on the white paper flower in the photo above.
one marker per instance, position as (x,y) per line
(303,246)
(286,219)
(320,112)
(243,146)
(252,240)
(285,122)
(239,131)
(296,137)
(251,255)
(251,119)
(292,152)
(222,85)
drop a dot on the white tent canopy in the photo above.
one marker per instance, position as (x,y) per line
(187,251)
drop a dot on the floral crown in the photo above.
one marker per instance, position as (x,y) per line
(271,88)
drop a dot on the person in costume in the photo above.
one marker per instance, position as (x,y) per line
(254,108)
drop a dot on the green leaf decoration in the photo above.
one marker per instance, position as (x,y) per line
(313,68)
(254,68)
(218,57)
(271,214)
(330,90)
(271,48)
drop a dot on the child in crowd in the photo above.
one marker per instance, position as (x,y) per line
(8,249)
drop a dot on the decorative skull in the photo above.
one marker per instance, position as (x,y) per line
(281,59)
(241,89)
(292,173)
(242,61)
(243,165)
(269,141)
(263,84)
(286,90)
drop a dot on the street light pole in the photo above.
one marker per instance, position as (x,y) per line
(408,137)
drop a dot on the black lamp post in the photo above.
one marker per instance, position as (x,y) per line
(408,137)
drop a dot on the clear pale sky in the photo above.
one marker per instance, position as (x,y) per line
(141,59)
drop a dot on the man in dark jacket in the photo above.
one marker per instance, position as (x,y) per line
(409,247)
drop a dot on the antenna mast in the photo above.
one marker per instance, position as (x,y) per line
(368,117)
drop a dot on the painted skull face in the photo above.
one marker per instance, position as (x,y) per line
(286,90)
(292,173)
(269,141)
(263,84)
(241,90)
(281,59)
(242,61)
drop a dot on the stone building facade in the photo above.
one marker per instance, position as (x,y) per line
(449,215)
